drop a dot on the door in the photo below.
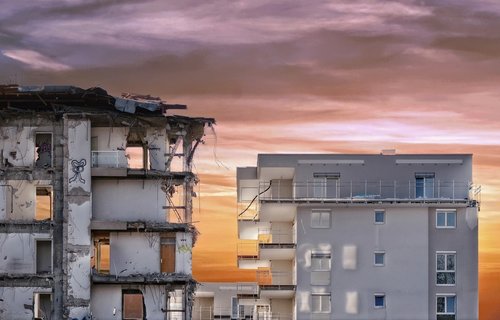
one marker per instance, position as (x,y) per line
(167,259)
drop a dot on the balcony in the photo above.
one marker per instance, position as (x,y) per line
(109,163)
(275,284)
(340,191)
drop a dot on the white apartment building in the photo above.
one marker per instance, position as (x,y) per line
(95,205)
(351,236)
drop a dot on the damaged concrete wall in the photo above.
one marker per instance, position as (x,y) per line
(132,253)
(110,138)
(128,200)
(78,213)
(18,146)
(107,300)
(17,303)
(22,194)
(18,252)
(157,147)
(183,255)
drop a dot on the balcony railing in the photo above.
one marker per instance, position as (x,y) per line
(269,236)
(268,278)
(359,191)
(109,159)
(246,313)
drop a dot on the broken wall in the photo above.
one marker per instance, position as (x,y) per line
(78,212)
(107,300)
(20,198)
(18,145)
(17,303)
(157,147)
(133,252)
(128,200)
(18,252)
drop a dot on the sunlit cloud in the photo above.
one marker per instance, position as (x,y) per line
(35,60)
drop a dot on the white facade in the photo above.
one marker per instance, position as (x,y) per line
(361,236)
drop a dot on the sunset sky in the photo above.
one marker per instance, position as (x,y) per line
(285,76)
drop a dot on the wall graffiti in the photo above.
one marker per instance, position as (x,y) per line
(77,167)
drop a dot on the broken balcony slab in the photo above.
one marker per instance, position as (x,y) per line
(26,173)
(139,226)
(26,280)
(26,226)
(150,278)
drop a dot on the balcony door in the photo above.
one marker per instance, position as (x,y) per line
(424,185)
(326,185)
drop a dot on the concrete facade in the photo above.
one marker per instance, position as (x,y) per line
(361,236)
(86,189)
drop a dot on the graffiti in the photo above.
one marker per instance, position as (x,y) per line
(77,167)
(183,248)
(45,147)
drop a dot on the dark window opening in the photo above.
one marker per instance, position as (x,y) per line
(43,208)
(133,305)
(43,150)
(42,306)
(43,256)
(424,185)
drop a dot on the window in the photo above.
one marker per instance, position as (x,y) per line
(446,306)
(446,219)
(321,302)
(43,203)
(175,305)
(379,300)
(379,216)
(133,304)
(445,268)
(424,185)
(101,253)
(43,150)
(42,305)
(320,268)
(379,258)
(43,256)
(326,185)
(167,254)
(320,218)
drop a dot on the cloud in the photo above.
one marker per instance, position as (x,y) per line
(35,60)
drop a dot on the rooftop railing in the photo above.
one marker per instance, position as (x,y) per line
(359,191)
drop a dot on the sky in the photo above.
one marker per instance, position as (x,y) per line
(353,76)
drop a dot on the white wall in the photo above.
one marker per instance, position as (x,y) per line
(17,303)
(20,140)
(17,252)
(110,138)
(157,142)
(24,199)
(128,200)
(183,255)
(132,252)
(107,297)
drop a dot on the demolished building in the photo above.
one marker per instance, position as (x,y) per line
(95,205)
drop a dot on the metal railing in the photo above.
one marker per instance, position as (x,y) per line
(249,313)
(274,278)
(381,190)
(248,250)
(109,159)
(267,235)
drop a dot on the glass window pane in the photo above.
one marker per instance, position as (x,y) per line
(379,301)
(440,304)
(379,258)
(441,278)
(315,303)
(451,219)
(450,304)
(450,277)
(441,219)
(440,262)
(419,187)
(429,187)
(325,303)
(450,262)
(379,216)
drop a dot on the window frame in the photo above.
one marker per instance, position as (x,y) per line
(319,295)
(375,216)
(446,312)
(133,292)
(378,252)
(379,295)
(319,225)
(454,271)
(446,212)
